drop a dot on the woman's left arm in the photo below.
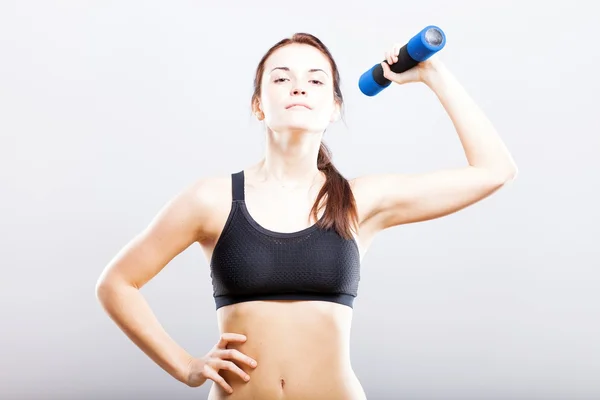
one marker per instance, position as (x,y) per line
(392,199)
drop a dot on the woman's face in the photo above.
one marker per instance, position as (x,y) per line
(297,90)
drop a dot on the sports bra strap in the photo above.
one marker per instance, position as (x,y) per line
(237,186)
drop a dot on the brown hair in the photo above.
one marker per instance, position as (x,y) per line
(340,208)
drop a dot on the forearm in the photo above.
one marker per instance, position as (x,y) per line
(482,145)
(129,310)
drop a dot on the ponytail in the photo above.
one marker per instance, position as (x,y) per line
(340,208)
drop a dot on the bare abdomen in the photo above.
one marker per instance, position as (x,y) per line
(302,351)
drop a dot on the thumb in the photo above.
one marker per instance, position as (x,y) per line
(399,78)
(388,73)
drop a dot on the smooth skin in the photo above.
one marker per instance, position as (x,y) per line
(300,349)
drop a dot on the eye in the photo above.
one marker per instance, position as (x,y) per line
(316,82)
(278,80)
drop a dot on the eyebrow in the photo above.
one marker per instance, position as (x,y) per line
(310,70)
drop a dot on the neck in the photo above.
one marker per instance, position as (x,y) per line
(290,157)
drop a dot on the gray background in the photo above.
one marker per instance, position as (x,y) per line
(107,109)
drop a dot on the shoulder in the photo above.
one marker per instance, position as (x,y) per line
(208,191)
(204,203)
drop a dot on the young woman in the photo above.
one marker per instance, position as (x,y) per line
(285,236)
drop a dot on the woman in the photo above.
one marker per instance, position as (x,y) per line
(286,235)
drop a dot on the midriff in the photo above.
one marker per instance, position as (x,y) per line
(302,349)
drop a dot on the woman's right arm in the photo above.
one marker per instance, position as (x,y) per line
(178,225)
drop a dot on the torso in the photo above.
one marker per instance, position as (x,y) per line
(302,350)
(302,347)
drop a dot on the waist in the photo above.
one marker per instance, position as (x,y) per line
(301,347)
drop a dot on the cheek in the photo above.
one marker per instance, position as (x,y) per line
(325,97)
(326,104)
(271,98)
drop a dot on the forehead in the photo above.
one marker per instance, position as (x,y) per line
(298,57)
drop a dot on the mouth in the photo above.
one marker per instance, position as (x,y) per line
(297,105)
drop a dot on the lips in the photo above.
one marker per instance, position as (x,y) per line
(297,105)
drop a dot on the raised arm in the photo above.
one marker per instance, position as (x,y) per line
(178,225)
(392,199)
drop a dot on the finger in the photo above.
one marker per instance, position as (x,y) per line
(391,75)
(213,375)
(230,337)
(233,354)
(387,72)
(396,51)
(229,366)
(388,57)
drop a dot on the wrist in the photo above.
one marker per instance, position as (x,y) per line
(435,73)
(437,78)
(182,369)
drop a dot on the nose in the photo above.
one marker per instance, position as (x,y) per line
(298,91)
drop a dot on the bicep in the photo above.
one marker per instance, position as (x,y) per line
(176,226)
(395,199)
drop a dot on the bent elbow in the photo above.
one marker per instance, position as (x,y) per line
(103,289)
(504,175)
(106,289)
(511,173)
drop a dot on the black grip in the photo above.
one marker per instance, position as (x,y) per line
(405,62)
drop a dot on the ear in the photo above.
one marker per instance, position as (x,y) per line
(257,110)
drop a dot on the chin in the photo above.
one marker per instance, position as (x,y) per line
(299,129)
(289,125)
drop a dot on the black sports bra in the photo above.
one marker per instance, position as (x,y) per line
(250,262)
